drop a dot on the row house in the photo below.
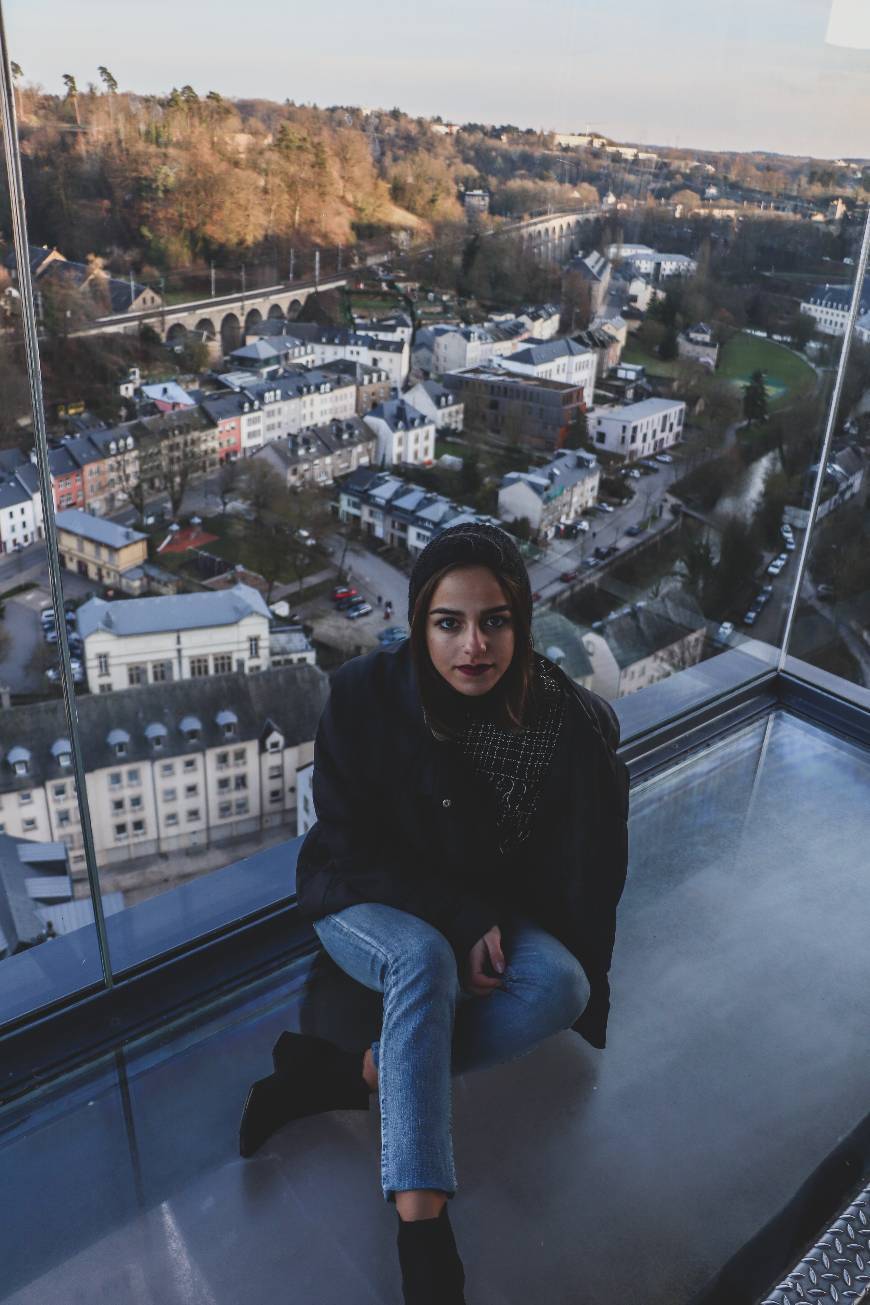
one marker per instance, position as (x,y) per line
(403,433)
(168,767)
(295,400)
(331,343)
(134,642)
(555,494)
(109,460)
(404,515)
(320,453)
(226,412)
(593,271)
(373,384)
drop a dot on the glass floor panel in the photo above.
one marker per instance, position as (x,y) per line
(736,1063)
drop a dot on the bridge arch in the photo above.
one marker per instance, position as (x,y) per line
(253,318)
(205,327)
(276,313)
(231,333)
(177,333)
(294,308)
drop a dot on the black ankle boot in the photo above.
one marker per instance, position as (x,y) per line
(315,1076)
(432,1272)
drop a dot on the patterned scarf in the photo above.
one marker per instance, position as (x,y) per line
(515,763)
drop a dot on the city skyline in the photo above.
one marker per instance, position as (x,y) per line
(680,75)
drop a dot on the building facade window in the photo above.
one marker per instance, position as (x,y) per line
(223,663)
(102,663)
(198,667)
(161,672)
(254,646)
(137,674)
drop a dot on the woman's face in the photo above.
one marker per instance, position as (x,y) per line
(470,624)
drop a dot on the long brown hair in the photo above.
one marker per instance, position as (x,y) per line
(515,699)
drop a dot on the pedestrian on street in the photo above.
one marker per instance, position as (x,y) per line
(380,600)
(477,919)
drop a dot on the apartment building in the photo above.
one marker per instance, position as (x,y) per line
(828,306)
(637,430)
(169,766)
(20,506)
(318,454)
(405,515)
(294,401)
(142,641)
(331,343)
(373,384)
(523,409)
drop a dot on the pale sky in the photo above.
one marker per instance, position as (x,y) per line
(716,74)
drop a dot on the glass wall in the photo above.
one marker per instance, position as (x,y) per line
(280,345)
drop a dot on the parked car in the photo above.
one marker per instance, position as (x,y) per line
(589,562)
(774,567)
(343,591)
(361,609)
(663,457)
(634,530)
(751,616)
(604,507)
(786,531)
(825,592)
(790,544)
(631,472)
(348,601)
(568,575)
(650,467)
(392,633)
(725,631)
(603,551)
(766,591)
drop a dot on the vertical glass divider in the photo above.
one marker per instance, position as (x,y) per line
(31,343)
(854,311)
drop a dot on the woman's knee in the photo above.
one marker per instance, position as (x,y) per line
(571,991)
(427,960)
(560,991)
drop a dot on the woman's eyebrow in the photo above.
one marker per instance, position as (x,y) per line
(456,611)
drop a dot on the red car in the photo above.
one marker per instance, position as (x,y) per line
(343,591)
(568,575)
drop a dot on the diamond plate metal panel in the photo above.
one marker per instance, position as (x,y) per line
(837,1268)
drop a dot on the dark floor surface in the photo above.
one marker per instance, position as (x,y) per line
(736,1062)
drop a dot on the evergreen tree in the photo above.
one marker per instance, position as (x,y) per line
(755,398)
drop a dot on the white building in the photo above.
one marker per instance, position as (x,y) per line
(542,321)
(404,434)
(439,404)
(140,641)
(556,360)
(20,509)
(648,262)
(398,326)
(828,305)
(637,430)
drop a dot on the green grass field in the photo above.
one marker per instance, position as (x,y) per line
(633,353)
(786,376)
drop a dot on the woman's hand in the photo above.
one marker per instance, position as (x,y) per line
(486,954)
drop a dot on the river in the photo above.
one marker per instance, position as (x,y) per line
(744,499)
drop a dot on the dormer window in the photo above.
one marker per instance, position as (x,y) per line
(228,722)
(118,741)
(19,760)
(191,728)
(156,734)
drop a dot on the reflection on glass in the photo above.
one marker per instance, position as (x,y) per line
(283,345)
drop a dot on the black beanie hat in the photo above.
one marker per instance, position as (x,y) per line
(471,543)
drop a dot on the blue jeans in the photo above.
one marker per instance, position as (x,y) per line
(432,1027)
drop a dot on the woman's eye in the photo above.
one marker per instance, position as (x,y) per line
(501,620)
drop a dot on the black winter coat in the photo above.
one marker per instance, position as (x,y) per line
(402,819)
